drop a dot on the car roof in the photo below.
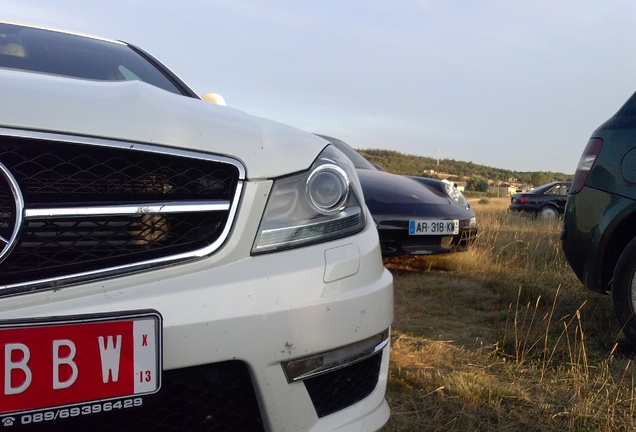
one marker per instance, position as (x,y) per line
(544,187)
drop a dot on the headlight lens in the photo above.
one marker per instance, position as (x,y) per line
(328,188)
(319,205)
(455,194)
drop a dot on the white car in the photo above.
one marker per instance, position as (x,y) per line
(171,264)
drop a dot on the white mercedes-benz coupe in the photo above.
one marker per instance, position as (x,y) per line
(171,264)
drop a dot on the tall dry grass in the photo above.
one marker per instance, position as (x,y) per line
(504,337)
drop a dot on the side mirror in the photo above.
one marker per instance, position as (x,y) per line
(214,98)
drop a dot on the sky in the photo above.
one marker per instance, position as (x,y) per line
(517,85)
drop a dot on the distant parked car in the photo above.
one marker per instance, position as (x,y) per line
(599,225)
(414,215)
(546,201)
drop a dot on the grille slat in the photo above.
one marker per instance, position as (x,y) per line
(52,174)
(216,397)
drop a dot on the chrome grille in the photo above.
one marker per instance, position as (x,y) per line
(96,208)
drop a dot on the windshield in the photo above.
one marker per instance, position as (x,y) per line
(358,161)
(57,53)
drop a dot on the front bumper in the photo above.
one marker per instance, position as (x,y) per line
(236,315)
(395,240)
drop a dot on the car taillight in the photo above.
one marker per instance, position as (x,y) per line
(592,150)
(523,200)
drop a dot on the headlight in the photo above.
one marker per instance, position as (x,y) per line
(328,188)
(455,194)
(319,205)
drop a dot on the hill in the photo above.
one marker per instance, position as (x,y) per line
(399,163)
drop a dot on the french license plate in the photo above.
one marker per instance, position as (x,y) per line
(433,227)
(66,367)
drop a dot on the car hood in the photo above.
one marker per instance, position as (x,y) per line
(385,192)
(138,112)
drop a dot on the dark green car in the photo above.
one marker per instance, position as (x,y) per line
(599,226)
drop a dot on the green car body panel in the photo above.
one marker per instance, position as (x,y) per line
(600,218)
(599,226)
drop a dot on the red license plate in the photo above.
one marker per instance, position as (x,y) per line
(67,362)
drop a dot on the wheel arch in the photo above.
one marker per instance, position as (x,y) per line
(620,237)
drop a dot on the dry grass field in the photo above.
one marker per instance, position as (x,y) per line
(503,337)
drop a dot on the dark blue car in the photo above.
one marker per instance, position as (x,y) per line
(414,215)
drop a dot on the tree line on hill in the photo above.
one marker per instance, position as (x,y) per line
(474,174)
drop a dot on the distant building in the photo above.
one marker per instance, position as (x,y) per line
(502,189)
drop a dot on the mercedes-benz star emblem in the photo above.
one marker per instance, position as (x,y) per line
(11,212)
